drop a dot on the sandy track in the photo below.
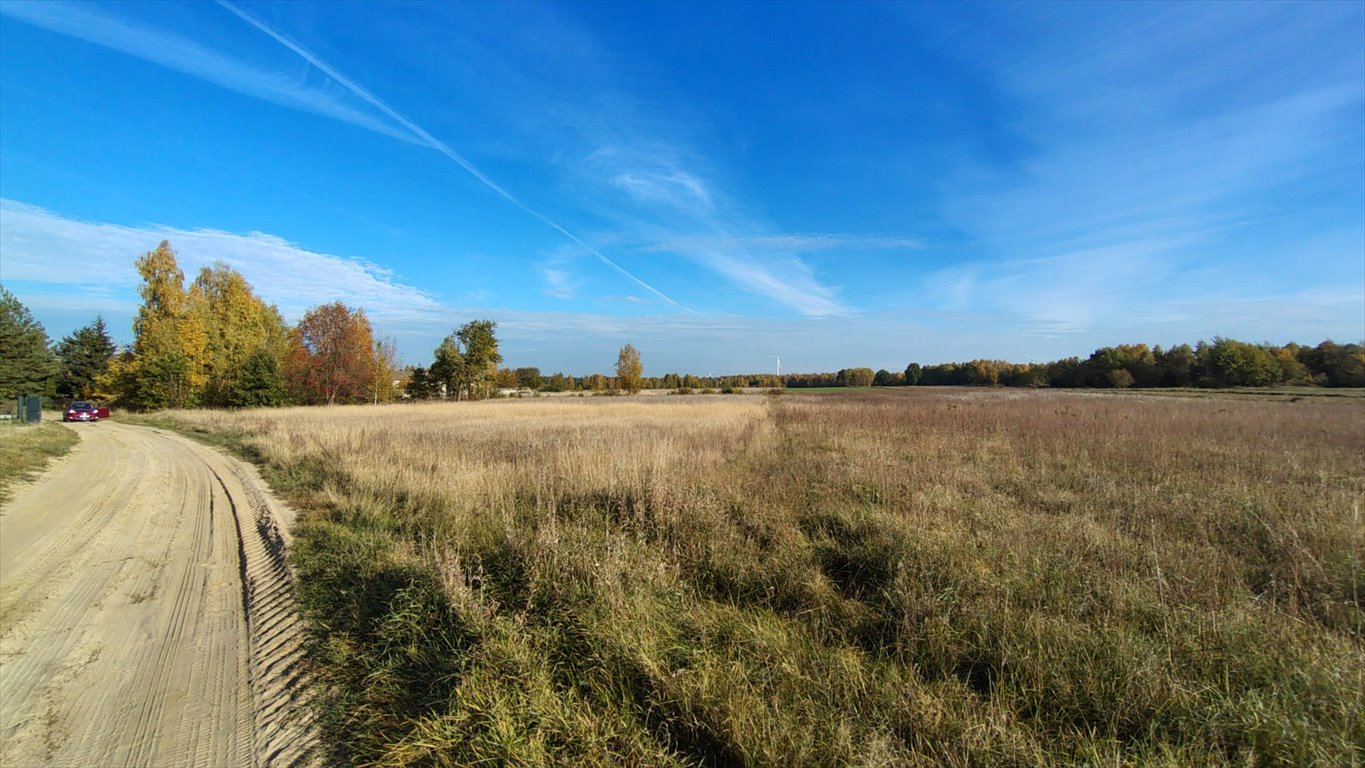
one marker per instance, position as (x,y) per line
(146,617)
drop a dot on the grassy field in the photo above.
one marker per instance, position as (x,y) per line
(26,448)
(937,577)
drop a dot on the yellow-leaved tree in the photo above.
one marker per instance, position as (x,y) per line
(629,370)
(247,340)
(167,367)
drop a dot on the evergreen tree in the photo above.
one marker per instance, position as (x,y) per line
(27,365)
(419,385)
(84,357)
(260,383)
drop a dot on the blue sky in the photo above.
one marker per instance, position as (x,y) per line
(715,183)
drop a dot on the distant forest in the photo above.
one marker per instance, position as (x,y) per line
(1219,363)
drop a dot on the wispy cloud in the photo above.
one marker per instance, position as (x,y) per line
(167,49)
(436,144)
(673,188)
(1178,154)
(558,283)
(174,52)
(652,185)
(92,258)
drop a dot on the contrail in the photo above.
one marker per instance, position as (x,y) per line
(436,144)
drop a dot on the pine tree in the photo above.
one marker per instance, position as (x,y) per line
(260,383)
(27,365)
(84,357)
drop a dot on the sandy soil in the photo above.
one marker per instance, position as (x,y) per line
(146,617)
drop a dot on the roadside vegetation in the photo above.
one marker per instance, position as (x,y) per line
(25,450)
(930,577)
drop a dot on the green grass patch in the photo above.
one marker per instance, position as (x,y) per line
(25,450)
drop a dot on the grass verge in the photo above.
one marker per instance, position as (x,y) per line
(25,450)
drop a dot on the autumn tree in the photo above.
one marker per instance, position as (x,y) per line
(855,377)
(27,365)
(1125,365)
(1231,363)
(383,370)
(1335,365)
(84,358)
(238,326)
(168,365)
(558,382)
(506,378)
(629,369)
(332,359)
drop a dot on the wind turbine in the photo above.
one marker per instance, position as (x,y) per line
(779,364)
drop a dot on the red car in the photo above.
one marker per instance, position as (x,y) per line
(83,410)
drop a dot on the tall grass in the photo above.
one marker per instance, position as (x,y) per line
(940,578)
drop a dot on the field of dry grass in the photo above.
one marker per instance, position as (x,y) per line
(938,577)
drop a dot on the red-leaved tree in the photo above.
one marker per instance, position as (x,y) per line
(333,356)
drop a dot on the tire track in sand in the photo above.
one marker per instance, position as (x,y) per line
(146,612)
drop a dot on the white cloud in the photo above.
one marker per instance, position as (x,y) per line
(43,247)
(558,284)
(675,188)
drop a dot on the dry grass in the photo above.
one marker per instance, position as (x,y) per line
(25,450)
(906,578)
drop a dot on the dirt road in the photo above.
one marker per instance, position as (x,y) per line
(146,617)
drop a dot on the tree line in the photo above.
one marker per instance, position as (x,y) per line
(1220,363)
(213,343)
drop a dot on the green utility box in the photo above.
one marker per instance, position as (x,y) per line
(30,409)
